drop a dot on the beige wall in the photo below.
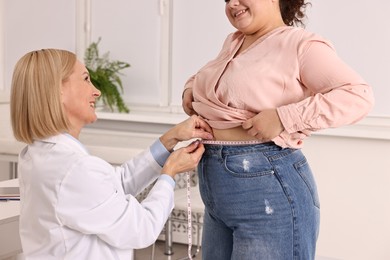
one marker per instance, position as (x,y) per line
(353,178)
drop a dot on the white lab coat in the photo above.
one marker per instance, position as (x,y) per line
(77,206)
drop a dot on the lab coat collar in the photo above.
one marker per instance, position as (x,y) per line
(67,140)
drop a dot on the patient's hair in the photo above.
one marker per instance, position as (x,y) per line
(293,11)
(36,109)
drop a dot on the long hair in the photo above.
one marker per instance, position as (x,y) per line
(36,109)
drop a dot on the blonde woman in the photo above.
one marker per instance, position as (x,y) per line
(75,205)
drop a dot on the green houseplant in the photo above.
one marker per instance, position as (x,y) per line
(105,76)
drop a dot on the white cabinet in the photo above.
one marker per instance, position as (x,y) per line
(9,224)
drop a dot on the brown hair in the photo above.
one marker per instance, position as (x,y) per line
(36,109)
(293,11)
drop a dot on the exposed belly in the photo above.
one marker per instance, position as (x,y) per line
(232,134)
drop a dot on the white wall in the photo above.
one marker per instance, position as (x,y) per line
(2,70)
(132,33)
(38,24)
(353,178)
(352,172)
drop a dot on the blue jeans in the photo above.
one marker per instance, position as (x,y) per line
(261,203)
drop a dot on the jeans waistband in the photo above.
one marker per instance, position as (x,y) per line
(237,147)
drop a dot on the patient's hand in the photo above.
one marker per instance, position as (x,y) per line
(188,98)
(265,126)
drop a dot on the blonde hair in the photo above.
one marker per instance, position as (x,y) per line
(36,109)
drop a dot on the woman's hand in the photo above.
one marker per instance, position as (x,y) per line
(184,159)
(188,98)
(193,127)
(265,126)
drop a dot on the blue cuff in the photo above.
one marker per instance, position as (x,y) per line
(169,179)
(159,152)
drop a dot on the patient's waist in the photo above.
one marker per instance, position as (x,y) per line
(232,134)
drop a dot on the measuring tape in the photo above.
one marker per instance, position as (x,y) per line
(189,216)
(232,142)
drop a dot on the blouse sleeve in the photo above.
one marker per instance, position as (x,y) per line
(339,95)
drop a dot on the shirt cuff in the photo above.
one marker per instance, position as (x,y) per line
(159,152)
(167,178)
(290,118)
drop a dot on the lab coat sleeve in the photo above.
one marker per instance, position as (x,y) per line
(92,202)
(140,171)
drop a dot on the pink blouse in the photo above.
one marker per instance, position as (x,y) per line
(290,69)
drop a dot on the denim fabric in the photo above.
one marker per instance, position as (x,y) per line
(261,203)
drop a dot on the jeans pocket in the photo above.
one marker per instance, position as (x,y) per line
(248,165)
(305,172)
